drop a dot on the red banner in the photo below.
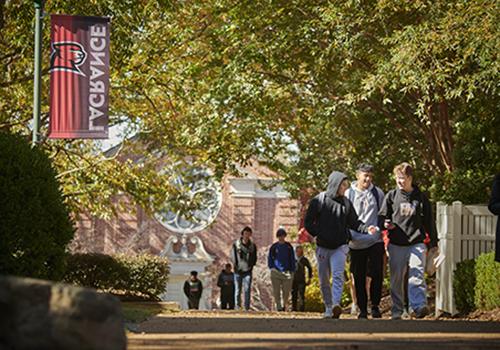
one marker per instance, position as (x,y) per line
(79,77)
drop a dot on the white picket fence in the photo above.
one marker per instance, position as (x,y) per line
(464,232)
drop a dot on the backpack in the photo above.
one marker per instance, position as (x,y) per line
(373,191)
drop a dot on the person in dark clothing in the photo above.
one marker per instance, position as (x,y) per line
(407,214)
(494,207)
(300,281)
(226,284)
(193,289)
(367,251)
(244,257)
(329,217)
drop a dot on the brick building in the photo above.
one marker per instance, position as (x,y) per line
(244,202)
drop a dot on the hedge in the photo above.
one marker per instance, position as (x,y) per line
(464,283)
(35,225)
(476,284)
(143,276)
(487,296)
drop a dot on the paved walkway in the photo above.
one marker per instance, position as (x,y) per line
(265,330)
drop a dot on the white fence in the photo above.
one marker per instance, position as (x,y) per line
(464,232)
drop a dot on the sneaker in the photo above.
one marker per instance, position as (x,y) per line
(405,315)
(422,312)
(395,316)
(363,315)
(328,313)
(336,311)
(376,312)
(354,309)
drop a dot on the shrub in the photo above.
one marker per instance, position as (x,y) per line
(464,282)
(35,226)
(487,270)
(143,276)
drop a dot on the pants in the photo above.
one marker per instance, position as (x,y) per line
(360,260)
(401,259)
(193,303)
(242,280)
(298,295)
(331,263)
(227,298)
(282,285)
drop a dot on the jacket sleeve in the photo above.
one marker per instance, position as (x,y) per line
(309,268)
(254,256)
(270,262)
(201,290)
(311,219)
(429,222)
(233,256)
(353,221)
(494,204)
(385,211)
(220,282)
(186,288)
(293,260)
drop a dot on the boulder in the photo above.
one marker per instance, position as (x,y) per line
(36,314)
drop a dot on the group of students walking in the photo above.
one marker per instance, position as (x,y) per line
(347,219)
(350,218)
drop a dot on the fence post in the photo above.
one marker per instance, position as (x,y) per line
(449,226)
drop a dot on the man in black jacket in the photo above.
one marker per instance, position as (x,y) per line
(193,289)
(329,217)
(407,214)
(494,207)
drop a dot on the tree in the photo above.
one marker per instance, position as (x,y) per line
(303,86)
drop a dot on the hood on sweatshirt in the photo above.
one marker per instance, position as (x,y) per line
(334,181)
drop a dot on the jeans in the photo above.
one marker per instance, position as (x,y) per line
(412,259)
(331,263)
(371,258)
(244,280)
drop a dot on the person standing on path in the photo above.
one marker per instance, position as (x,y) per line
(193,289)
(329,217)
(225,282)
(300,281)
(407,214)
(367,251)
(494,207)
(244,257)
(281,262)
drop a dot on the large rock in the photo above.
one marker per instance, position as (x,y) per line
(36,314)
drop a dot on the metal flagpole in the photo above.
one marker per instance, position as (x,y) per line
(37,72)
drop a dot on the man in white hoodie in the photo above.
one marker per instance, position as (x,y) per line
(367,251)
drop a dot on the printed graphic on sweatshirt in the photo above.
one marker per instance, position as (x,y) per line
(407,209)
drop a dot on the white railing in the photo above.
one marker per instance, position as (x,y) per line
(464,232)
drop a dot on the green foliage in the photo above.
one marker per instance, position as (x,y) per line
(142,276)
(464,283)
(303,86)
(35,226)
(487,296)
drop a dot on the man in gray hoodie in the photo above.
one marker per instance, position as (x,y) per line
(329,217)
(367,251)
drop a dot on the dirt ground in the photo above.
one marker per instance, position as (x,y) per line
(271,330)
